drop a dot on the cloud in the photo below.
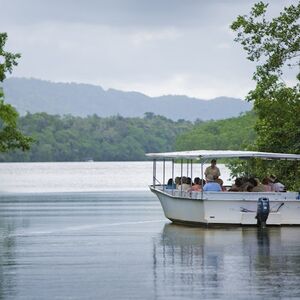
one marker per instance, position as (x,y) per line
(165,61)
(145,36)
(155,47)
(105,12)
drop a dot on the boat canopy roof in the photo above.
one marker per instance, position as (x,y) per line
(204,155)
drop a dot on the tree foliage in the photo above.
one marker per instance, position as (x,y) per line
(273,44)
(275,47)
(69,138)
(232,134)
(10,136)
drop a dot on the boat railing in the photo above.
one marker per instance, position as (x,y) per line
(226,195)
(156,180)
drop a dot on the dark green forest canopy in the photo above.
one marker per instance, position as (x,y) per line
(229,134)
(69,138)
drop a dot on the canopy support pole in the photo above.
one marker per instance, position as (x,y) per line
(173,177)
(202,179)
(191,172)
(154,173)
(181,165)
(187,168)
(164,174)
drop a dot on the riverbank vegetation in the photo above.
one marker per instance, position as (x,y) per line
(10,135)
(229,134)
(69,138)
(274,45)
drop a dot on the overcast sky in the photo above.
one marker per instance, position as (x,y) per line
(156,47)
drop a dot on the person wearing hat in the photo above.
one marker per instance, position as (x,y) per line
(213,170)
(211,185)
(276,186)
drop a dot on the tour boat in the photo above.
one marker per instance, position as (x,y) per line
(208,208)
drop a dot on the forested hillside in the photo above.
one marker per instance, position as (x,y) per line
(229,134)
(70,138)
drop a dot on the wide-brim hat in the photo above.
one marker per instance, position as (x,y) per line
(272,178)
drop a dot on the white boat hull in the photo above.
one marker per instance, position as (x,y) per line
(227,207)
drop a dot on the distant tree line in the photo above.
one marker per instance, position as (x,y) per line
(69,138)
(228,134)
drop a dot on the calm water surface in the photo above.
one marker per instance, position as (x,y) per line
(86,176)
(118,245)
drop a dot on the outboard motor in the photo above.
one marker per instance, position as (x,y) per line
(263,209)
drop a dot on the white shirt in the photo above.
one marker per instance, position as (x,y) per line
(278,187)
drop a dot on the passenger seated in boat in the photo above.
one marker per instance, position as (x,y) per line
(213,170)
(177,181)
(247,185)
(266,184)
(197,187)
(171,185)
(259,187)
(189,181)
(276,185)
(211,185)
(220,182)
(184,186)
(237,186)
(250,185)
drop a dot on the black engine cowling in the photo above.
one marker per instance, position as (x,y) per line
(263,209)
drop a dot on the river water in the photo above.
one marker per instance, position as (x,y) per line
(93,231)
(88,176)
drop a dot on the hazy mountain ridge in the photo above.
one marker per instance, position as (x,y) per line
(33,95)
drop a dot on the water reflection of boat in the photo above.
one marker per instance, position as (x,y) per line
(223,207)
(240,262)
